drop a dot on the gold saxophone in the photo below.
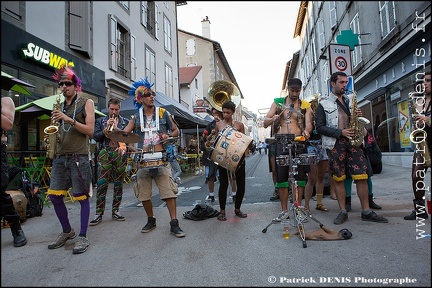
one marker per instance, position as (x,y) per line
(53,132)
(356,123)
(418,136)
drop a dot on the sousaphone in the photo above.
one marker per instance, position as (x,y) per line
(221,91)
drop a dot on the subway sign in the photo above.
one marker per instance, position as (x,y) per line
(43,56)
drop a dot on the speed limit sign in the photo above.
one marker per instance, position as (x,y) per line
(340,58)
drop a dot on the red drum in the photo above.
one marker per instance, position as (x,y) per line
(229,148)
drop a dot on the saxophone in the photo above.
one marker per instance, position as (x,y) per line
(418,136)
(52,132)
(356,123)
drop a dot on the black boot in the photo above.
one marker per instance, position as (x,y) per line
(372,204)
(348,203)
(18,235)
(419,211)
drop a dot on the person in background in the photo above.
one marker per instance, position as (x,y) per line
(317,171)
(71,167)
(112,159)
(176,171)
(209,137)
(8,211)
(332,119)
(153,124)
(422,123)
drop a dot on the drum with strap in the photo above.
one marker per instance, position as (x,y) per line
(230,148)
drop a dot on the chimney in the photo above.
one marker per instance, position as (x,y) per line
(205,27)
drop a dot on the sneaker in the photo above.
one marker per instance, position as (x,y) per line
(282,216)
(81,245)
(96,220)
(175,229)
(61,239)
(117,216)
(151,224)
(211,198)
(373,217)
(178,180)
(275,195)
(341,218)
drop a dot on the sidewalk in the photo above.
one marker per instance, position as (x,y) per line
(231,253)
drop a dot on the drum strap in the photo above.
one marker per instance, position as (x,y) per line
(148,130)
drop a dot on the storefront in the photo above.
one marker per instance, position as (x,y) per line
(33,60)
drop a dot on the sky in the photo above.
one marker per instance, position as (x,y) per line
(257,39)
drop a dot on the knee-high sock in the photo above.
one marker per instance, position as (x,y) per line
(85,216)
(61,211)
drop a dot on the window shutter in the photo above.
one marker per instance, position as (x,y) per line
(113,42)
(133,58)
(79,26)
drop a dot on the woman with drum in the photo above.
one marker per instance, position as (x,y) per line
(228,109)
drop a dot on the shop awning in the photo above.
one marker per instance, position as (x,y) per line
(43,106)
(10,83)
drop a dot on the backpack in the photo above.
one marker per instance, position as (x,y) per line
(19,179)
(200,212)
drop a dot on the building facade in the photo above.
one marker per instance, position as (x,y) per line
(389,49)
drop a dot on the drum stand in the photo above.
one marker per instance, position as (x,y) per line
(299,214)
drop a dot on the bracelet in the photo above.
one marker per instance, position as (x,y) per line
(73,124)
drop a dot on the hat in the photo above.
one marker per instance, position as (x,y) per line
(295,83)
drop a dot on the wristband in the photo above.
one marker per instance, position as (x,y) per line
(73,124)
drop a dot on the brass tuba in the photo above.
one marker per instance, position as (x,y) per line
(221,91)
(418,136)
(356,123)
(53,132)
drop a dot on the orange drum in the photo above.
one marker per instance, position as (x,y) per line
(229,148)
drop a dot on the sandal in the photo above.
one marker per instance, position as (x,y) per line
(221,217)
(321,207)
(240,214)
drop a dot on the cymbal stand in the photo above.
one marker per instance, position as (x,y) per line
(299,214)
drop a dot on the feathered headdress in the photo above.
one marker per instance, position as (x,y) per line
(67,73)
(139,89)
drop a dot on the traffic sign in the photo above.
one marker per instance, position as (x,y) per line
(340,58)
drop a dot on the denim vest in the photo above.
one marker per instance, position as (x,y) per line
(331,111)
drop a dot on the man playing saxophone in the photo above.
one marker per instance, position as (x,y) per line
(71,166)
(112,160)
(421,124)
(332,121)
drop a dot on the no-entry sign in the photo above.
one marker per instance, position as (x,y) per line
(340,58)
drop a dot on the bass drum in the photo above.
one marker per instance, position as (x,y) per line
(20,203)
(230,148)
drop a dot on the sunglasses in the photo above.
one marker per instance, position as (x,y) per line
(60,84)
(149,94)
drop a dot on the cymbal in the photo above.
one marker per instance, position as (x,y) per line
(170,140)
(122,136)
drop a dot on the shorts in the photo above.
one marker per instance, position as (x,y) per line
(73,170)
(212,171)
(344,156)
(143,186)
(316,148)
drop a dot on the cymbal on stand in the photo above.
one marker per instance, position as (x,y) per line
(123,136)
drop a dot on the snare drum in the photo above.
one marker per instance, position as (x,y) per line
(146,160)
(307,159)
(229,148)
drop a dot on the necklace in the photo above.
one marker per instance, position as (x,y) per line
(73,116)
